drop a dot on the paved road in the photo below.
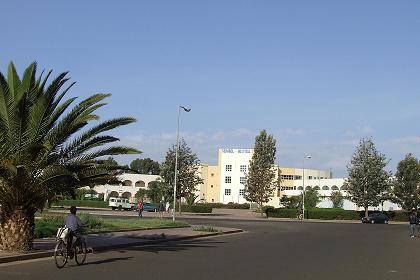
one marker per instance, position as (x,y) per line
(269,250)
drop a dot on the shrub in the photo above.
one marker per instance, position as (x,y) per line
(47,226)
(230,205)
(91,222)
(195,208)
(332,214)
(281,212)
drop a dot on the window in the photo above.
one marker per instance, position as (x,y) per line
(241,192)
(212,174)
(211,186)
(283,188)
(212,200)
(227,191)
(228,179)
(334,188)
(298,177)
(242,168)
(309,177)
(228,168)
(325,188)
(242,180)
(316,188)
(287,177)
(300,188)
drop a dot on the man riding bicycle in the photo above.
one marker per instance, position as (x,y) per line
(73,223)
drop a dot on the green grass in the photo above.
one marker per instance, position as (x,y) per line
(46,225)
(205,229)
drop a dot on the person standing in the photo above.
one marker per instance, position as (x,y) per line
(413,222)
(140,208)
(161,209)
(167,207)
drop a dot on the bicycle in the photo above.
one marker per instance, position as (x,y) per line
(61,253)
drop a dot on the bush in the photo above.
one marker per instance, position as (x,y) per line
(332,214)
(195,208)
(230,205)
(315,213)
(81,203)
(47,226)
(91,222)
(281,212)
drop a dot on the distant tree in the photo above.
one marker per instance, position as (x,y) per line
(140,194)
(368,182)
(260,180)
(145,166)
(111,161)
(292,202)
(158,190)
(337,199)
(188,166)
(407,183)
(312,198)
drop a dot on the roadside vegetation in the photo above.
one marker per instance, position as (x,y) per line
(46,225)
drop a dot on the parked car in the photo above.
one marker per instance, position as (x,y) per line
(376,218)
(120,203)
(150,207)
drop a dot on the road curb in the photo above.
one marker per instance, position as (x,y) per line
(50,253)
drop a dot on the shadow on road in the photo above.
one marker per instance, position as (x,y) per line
(106,261)
(174,246)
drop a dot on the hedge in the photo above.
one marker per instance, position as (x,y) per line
(230,205)
(332,214)
(195,208)
(81,203)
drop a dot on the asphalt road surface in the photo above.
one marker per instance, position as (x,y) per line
(268,250)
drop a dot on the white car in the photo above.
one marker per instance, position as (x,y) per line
(120,203)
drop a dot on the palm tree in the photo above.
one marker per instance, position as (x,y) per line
(47,148)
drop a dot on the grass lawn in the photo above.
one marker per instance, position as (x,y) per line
(46,225)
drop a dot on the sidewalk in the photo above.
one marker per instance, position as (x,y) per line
(115,240)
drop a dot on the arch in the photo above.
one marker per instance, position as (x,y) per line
(140,184)
(325,188)
(343,188)
(114,194)
(316,188)
(126,195)
(148,184)
(300,188)
(308,188)
(127,183)
(334,188)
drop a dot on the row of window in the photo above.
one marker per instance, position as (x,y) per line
(228,180)
(297,177)
(242,168)
(324,188)
(229,192)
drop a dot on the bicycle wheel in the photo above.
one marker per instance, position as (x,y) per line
(80,251)
(60,254)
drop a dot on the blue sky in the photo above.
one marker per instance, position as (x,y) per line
(318,75)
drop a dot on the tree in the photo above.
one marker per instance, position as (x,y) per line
(140,194)
(111,161)
(337,199)
(188,165)
(367,182)
(292,202)
(312,198)
(407,182)
(45,149)
(158,190)
(260,180)
(145,166)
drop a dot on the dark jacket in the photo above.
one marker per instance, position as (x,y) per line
(413,219)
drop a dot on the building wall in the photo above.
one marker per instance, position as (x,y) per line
(209,191)
(234,164)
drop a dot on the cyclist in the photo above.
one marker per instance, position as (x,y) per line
(73,223)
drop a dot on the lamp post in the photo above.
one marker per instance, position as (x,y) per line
(303,191)
(176,157)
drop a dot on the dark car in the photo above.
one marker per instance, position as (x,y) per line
(376,218)
(150,207)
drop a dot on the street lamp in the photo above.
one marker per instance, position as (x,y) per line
(303,191)
(176,157)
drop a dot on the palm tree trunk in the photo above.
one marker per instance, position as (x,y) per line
(17,231)
(366,211)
